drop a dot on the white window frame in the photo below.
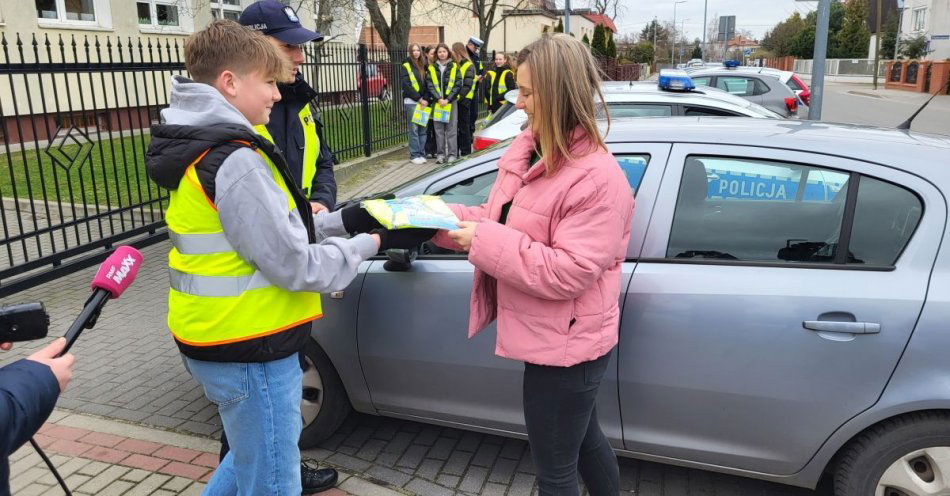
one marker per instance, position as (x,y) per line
(918,19)
(220,7)
(101,9)
(186,21)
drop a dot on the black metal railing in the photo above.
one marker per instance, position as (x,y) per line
(75,114)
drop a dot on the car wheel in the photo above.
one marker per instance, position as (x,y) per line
(384,94)
(905,456)
(324,405)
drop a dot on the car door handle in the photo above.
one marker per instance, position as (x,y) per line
(843,327)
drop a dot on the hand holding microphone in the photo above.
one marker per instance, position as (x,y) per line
(60,363)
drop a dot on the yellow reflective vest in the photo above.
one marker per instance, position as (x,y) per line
(412,76)
(471,92)
(311,147)
(216,297)
(502,87)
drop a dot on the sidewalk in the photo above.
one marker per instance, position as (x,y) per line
(99,456)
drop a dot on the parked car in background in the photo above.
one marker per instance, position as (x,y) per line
(631,99)
(792,80)
(763,88)
(376,84)
(785,299)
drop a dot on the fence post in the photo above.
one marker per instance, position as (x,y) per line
(364,101)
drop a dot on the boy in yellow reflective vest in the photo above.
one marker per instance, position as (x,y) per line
(249,258)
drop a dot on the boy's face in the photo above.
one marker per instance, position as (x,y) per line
(252,94)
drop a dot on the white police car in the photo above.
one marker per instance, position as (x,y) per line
(674,95)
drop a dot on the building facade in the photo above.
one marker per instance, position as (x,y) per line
(928,18)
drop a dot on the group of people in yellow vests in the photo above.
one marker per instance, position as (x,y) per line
(441,88)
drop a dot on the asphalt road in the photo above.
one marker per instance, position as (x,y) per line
(861,104)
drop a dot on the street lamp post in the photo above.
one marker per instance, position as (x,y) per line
(702,51)
(673,49)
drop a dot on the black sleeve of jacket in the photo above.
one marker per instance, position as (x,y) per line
(323,188)
(430,86)
(407,90)
(509,82)
(28,392)
(454,94)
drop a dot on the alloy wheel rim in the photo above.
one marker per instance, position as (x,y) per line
(312,399)
(924,472)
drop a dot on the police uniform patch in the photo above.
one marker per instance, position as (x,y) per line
(291,15)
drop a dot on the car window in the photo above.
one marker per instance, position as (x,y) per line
(760,87)
(472,191)
(793,84)
(701,81)
(618,110)
(695,111)
(885,217)
(736,85)
(504,111)
(757,210)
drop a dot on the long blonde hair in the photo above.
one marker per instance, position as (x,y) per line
(459,52)
(564,99)
(418,62)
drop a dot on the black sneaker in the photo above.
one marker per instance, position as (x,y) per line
(314,480)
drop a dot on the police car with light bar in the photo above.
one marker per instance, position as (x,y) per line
(674,95)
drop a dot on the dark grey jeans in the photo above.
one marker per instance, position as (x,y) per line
(561,418)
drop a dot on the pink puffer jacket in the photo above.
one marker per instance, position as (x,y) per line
(551,274)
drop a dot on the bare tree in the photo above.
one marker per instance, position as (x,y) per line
(395,33)
(610,8)
(490,13)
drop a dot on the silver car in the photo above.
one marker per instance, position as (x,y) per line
(785,304)
(631,99)
(765,88)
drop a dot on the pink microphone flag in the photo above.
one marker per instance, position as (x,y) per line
(118,271)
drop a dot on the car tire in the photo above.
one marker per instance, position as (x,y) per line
(323,388)
(904,456)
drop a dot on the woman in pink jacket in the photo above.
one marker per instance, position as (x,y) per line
(547,249)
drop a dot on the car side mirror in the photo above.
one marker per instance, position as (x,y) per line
(400,259)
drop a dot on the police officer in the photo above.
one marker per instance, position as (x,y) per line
(474,47)
(293,126)
(296,132)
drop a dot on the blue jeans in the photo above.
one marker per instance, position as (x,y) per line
(417,134)
(259,405)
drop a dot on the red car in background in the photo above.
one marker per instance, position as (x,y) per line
(377,86)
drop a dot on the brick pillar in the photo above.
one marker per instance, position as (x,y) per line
(940,77)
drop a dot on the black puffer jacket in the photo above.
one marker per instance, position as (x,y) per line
(407,90)
(444,78)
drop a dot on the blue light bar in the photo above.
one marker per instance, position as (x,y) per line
(675,80)
(731,64)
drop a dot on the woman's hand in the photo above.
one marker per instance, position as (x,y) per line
(443,102)
(464,234)
(424,103)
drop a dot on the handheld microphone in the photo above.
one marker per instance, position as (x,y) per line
(115,275)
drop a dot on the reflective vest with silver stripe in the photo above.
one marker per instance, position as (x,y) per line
(471,92)
(412,76)
(311,147)
(437,79)
(216,297)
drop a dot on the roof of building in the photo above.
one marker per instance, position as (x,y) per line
(602,19)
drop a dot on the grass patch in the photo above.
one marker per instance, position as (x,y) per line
(114,172)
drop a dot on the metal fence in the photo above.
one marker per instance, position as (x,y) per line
(842,67)
(75,114)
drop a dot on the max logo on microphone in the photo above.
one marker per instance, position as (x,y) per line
(119,275)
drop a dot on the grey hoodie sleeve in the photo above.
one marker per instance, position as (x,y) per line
(257,223)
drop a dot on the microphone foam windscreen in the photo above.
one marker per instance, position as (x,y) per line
(118,271)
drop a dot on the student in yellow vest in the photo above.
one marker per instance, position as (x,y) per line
(430,129)
(415,91)
(249,258)
(499,81)
(466,98)
(444,86)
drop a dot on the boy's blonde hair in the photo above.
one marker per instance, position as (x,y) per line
(565,80)
(228,46)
